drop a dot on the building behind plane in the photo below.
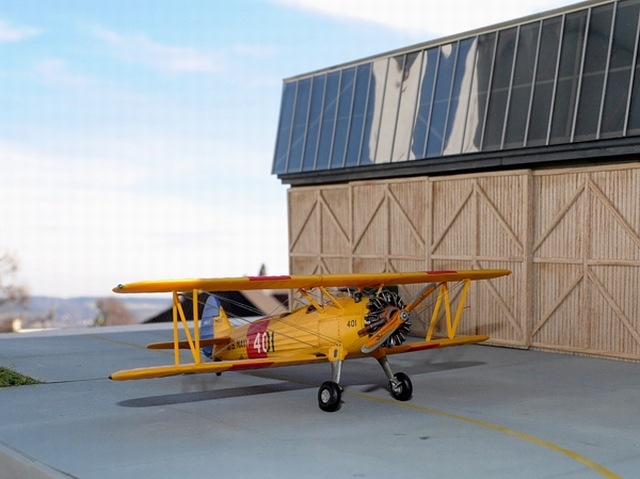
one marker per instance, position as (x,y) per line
(514,146)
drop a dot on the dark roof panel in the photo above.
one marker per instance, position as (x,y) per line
(564,80)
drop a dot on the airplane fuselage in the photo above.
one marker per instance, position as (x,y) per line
(308,329)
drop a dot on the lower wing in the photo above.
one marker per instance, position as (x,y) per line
(275,362)
(435,344)
(216,367)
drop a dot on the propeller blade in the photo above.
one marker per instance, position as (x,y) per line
(381,335)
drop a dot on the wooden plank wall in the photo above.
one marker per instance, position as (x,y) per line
(571,238)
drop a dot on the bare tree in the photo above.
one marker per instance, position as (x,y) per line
(9,291)
(112,312)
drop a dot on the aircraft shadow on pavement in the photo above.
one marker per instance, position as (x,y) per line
(296,378)
(196,396)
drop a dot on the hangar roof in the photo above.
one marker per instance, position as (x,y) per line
(555,87)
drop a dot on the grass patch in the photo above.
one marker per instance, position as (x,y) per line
(11,378)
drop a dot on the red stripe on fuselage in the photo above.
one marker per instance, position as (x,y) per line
(243,367)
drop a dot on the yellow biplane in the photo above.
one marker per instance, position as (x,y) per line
(365,316)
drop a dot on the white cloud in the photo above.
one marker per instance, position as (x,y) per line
(167,59)
(28,168)
(427,16)
(80,225)
(12,33)
(54,70)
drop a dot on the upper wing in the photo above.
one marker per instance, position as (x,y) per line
(360,280)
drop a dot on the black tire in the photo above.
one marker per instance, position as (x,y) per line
(402,390)
(329,396)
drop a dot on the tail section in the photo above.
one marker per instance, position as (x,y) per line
(214,324)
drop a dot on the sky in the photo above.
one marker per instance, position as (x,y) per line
(137,137)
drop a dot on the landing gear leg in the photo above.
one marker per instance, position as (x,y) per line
(400,385)
(330,392)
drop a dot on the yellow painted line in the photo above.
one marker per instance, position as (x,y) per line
(604,472)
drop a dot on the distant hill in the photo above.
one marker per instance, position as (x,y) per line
(52,312)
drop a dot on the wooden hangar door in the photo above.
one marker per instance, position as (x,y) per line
(388,225)
(481,221)
(586,261)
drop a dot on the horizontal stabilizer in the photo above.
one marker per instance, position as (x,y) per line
(185,344)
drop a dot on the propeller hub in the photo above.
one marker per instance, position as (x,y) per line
(383,307)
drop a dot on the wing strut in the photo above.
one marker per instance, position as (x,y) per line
(451,322)
(192,340)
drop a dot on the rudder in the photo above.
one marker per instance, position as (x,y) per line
(214,323)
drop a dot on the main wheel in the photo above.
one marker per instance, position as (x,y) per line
(329,396)
(400,387)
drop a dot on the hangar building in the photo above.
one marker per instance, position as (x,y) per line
(514,146)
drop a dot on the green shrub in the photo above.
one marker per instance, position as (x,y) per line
(12,378)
